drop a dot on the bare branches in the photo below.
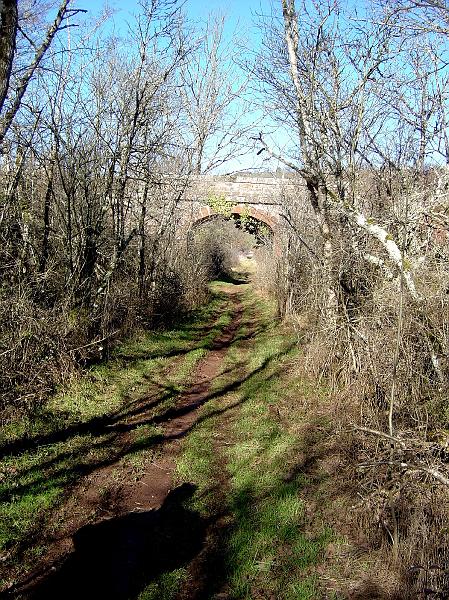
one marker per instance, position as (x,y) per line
(409,447)
(87,227)
(7,119)
(211,88)
(382,434)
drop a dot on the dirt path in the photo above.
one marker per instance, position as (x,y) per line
(102,558)
(151,491)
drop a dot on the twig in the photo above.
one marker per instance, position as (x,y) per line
(412,467)
(380,434)
(95,341)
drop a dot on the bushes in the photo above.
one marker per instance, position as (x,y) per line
(48,331)
(34,350)
(385,354)
(46,334)
(219,245)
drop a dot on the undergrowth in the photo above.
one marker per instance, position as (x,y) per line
(241,456)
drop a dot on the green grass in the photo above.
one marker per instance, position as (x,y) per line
(240,455)
(166,587)
(268,548)
(269,551)
(34,481)
(197,464)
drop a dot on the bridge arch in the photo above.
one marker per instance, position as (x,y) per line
(260,197)
(207,213)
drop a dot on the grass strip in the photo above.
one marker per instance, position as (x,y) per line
(269,551)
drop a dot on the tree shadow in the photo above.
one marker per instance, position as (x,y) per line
(109,423)
(79,467)
(117,558)
(39,481)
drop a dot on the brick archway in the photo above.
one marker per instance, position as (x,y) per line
(206,212)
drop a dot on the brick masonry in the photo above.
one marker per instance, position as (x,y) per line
(258,197)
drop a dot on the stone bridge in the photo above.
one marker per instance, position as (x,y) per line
(259,197)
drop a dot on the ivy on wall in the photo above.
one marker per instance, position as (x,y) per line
(220,204)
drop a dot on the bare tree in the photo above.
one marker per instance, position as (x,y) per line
(363,109)
(28,71)
(212,87)
(419,16)
(86,219)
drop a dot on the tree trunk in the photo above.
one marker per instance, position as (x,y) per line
(88,266)
(331,298)
(142,235)
(8,32)
(7,120)
(46,235)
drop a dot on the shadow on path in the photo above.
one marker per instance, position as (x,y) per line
(107,423)
(178,422)
(117,558)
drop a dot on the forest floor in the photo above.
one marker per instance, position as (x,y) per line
(196,463)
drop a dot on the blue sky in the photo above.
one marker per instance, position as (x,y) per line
(241,18)
(239,12)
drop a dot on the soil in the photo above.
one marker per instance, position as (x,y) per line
(121,529)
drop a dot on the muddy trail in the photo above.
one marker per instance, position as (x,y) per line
(147,530)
